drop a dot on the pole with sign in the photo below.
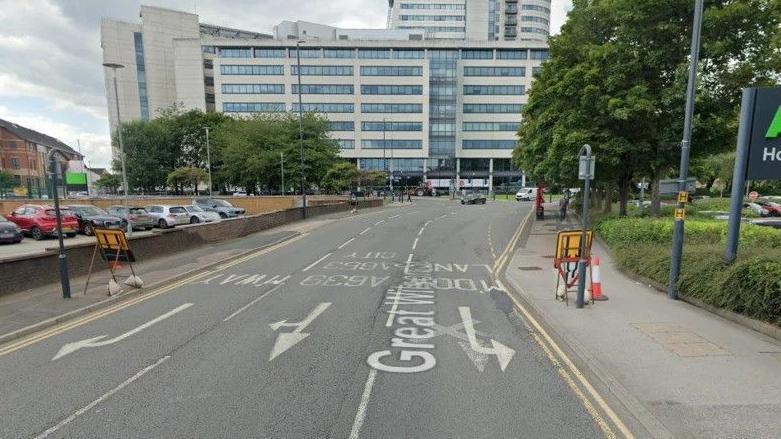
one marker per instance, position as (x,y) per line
(585,173)
(758,153)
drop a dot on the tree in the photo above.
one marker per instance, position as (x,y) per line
(185,176)
(150,154)
(616,79)
(6,181)
(340,177)
(109,182)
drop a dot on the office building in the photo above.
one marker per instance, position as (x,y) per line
(404,100)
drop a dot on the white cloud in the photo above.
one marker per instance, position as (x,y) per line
(559,10)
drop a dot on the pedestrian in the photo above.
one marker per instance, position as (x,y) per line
(409,196)
(563,204)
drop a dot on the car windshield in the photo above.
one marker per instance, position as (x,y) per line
(222,203)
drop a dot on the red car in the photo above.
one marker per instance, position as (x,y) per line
(39,221)
(773,209)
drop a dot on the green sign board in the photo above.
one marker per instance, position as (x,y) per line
(76,181)
(764,149)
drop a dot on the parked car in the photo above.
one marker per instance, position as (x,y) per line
(10,232)
(526,194)
(473,198)
(198,215)
(222,207)
(91,217)
(165,216)
(773,209)
(239,194)
(757,209)
(40,221)
(138,217)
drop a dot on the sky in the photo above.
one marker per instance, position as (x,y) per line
(51,79)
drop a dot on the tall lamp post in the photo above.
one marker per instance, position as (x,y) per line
(54,170)
(282,169)
(585,173)
(677,250)
(114,67)
(208,161)
(301,123)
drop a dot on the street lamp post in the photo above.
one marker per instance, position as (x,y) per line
(282,170)
(208,161)
(114,67)
(301,124)
(63,257)
(677,250)
(586,173)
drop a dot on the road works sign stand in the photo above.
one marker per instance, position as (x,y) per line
(566,261)
(114,249)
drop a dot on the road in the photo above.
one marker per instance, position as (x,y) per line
(388,324)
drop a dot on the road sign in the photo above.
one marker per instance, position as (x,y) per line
(683,197)
(568,244)
(680,214)
(753,195)
(764,148)
(586,167)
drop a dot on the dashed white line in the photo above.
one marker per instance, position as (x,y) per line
(415,244)
(394,216)
(361,414)
(243,308)
(440,217)
(409,258)
(316,262)
(346,242)
(365,230)
(379,222)
(106,396)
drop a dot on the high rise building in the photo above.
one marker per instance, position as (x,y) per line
(405,100)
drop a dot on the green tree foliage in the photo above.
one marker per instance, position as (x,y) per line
(715,171)
(6,182)
(616,79)
(339,177)
(109,182)
(150,154)
(185,176)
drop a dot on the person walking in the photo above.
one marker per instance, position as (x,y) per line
(563,205)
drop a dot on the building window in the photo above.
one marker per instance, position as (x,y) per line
(307,53)
(442,147)
(325,108)
(374,53)
(535,8)
(511,54)
(490,144)
(391,71)
(477,54)
(322,70)
(325,89)
(253,107)
(468,165)
(442,54)
(534,30)
(502,90)
(346,143)
(208,49)
(342,126)
(339,53)
(15,163)
(392,144)
(442,128)
(208,64)
(432,17)
(269,53)
(403,165)
(141,75)
(492,126)
(542,54)
(230,69)
(208,81)
(243,52)
(432,29)
(495,71)
(408,54)
(443,6)
(391,108)
(253,88)
(533,19)
(209,98)
(391,126)
(493,108)
(442,90)
(391,89)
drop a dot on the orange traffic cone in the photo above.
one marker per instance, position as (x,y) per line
(596,281)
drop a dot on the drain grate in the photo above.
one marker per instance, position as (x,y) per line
(530,268)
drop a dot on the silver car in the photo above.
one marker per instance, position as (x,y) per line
(166,216)
(138,217)
(198,215)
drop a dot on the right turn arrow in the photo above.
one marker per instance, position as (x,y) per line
(503,353)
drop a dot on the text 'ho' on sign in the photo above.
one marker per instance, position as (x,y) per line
(764,149)
(568,245)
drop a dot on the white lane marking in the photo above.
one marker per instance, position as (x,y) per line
(409,258)
(365,230)
(254,301)
(286,340)
(98,341)
(440,217)
(346,242)
(503,353)
(415,244)
(394,216)
(361,414)
(102,398)
(316,262)
(379,222)
(395,305)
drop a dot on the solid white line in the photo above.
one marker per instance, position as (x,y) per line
(420,232)
(238,311)
(415,244)
(316,262)
(365,230)
(346,242)
(361,414)
(409,258)
(394,216)
(102,398)
(379,222)
(440,217)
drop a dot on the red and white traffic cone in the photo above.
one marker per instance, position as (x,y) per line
(596,281)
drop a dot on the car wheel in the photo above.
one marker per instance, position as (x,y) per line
(223,215)
(123,225)
(420,193)
(36,233)
(88,229)
(148,228)
(162,224)
(194,220)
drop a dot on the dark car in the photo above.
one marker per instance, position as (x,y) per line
(91,217)
(9,232)
(222,207)
(40,221)
(473,198)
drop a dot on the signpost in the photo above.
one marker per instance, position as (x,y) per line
(585,173)
(758,153)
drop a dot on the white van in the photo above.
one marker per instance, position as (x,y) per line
(526,194)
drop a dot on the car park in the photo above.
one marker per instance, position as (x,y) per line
(165,216)
(473,198)
(198,215)
(92,217)
(222,207)
(137,216)
(10,232)
(40,221)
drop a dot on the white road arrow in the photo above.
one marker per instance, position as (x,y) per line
(98,341)
(286,340)
(503,353)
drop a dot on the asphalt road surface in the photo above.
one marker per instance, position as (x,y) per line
(387,324)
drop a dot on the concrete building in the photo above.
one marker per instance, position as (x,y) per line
(416,102)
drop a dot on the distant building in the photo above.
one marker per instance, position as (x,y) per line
(23,153)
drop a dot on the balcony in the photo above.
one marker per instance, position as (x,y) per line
(511,10)
(511,21)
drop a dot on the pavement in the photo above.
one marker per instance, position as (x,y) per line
(671,369)
(390,323)
(29,246)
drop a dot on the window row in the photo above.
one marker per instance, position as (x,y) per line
(489,144)
(392,144)
(230,69)
(316,53)
(492,126)
(322,70)
(534,30)
(455,29)
(391,108)
(407,165)
(495,71)
(253,107)
(329,107)
(493,108)
(391,126)
(452,7)
(533,19)
(504,90)
(325,89)
(432,18)
(253,88)
(391,89)
(391,71)
(346,143)
(535,8)
(343,126)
